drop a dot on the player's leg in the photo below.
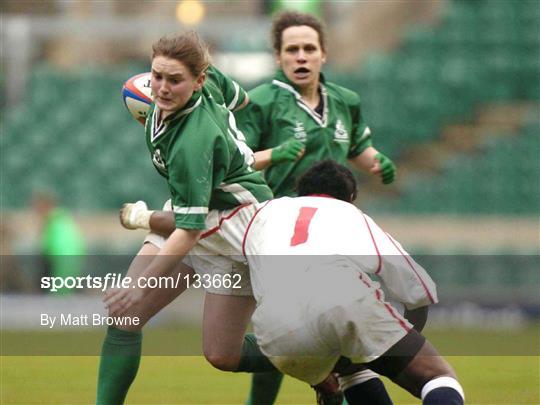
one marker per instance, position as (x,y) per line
(121,350)
(399,351)
(430,377)
(225,346)
(228,308)
(264,388)
(415,365)
(225,320)
(363,382)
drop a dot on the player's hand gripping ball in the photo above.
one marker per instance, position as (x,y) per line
(137,96)
(385,168)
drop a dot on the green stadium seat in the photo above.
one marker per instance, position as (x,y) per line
(378,68)
(502,178)
(482,51)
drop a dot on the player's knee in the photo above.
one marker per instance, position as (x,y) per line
(222,362)
(131,326)
(426,366)
(435,366)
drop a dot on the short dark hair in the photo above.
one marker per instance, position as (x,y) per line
(287,19)
(328,177)
(187,48)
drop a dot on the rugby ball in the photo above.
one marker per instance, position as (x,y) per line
(137,96)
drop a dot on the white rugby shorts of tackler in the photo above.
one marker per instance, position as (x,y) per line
(304,332)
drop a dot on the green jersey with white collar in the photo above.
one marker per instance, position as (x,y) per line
(276,114)
(204,157)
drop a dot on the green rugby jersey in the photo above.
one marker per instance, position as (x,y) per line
(276,114)
(204,158)
(223,89)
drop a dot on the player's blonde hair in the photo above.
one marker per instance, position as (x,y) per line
(187,48)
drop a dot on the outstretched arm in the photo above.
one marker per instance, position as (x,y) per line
(374,162)
(288,151)
(138,216)
(173,251)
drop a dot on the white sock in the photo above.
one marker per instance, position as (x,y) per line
(347,381)
(440,382)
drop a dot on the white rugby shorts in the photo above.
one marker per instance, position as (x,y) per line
(217,258)
(343,314)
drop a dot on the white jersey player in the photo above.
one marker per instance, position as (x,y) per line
(309,261)
(310,258)
(328,231)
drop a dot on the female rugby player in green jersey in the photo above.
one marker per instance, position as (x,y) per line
(300,118)
(194,144)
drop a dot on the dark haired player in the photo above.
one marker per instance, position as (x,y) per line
(300,118)
(309,258)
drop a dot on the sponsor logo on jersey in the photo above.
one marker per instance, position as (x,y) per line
(158,161)
(300,131)
(341,134)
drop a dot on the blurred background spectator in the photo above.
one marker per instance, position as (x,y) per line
(62,246)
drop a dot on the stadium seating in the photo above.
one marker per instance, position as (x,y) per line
(73,134)
(500,178)
(481,52)
(486,275)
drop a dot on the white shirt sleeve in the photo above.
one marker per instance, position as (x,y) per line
(405,280)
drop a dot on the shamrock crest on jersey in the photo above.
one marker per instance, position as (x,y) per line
(341,134)
(158,161)
(300,131)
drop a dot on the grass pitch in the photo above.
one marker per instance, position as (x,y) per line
(508,379)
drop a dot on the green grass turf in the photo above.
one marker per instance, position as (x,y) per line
(190,380)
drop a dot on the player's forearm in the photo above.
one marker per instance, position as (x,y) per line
(179,243)
(263,159)
(162,223)
(374,162)
(417,316)
(365,160)
(289,151)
